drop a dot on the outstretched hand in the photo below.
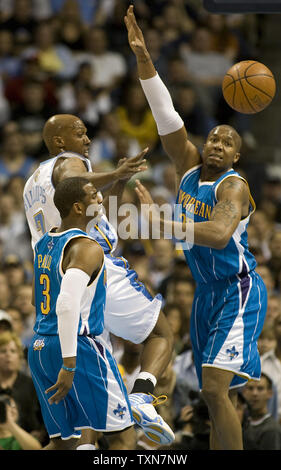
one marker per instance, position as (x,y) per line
(143,194)
(127,167)
(135,36)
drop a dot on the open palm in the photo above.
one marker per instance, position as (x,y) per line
(135,36)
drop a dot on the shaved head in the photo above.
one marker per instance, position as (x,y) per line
(58,126)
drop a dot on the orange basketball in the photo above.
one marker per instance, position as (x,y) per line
(248,87)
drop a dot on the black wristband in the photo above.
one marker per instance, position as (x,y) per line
(143,386)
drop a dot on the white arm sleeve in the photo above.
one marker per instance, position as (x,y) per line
(166,117)
(73,286)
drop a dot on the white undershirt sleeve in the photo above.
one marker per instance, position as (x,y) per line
(73,286)
(166,117)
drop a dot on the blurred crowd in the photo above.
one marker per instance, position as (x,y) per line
(72,56)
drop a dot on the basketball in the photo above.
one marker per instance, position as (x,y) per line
(248,87)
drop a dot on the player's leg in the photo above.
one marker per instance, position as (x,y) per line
(157,349)
(226,427)
(125,440)
(88,440)
(132,313)
(57,443)
(214,440)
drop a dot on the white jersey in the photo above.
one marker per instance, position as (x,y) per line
(41,212)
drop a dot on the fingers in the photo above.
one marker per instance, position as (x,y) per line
(59,395)
(139,155)
(141,192)
(50,389)
(56,397)
(130,19)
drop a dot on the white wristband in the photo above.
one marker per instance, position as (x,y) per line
(147,376)
(166,117)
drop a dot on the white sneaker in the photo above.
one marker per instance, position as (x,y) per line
(145,415)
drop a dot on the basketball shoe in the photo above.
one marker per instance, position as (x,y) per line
(145,416)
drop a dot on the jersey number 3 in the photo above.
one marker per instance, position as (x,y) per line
(45,282)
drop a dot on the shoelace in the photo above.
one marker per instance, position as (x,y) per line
(158,400)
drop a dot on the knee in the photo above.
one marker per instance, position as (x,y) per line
(209,393)
(212,393)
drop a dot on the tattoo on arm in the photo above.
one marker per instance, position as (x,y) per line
(231,183)
(226,212)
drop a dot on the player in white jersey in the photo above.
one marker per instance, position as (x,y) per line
(130,311)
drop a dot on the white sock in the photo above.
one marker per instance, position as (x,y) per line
(86,447)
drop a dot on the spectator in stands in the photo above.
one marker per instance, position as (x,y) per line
(175,26)
(32,113)
(264,227)
(5,293)
(70,26)
(274,263)
(271,362)
(17,384)
(109,67)
(223,39)
(181,291)
(22,23)
(13,159)
(13,436)
(262,432)
(23,302)
(15,273)
(206,67)
(175,319)
(15,187)
(55,59)
(192,112)
(16,320)
(273,308)
(9,62)
(13,230)
(5,321)
(266,274)
(267,340)
(161,261)
(135,118)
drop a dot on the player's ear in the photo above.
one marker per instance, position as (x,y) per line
(236,157)
(58,141)
(77,207)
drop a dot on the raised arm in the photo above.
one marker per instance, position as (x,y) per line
(170,126)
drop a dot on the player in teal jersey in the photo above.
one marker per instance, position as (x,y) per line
(76,378)
(230,299)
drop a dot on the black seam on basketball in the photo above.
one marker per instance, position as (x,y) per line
(257,88)
(248,76)
(245,78)
(234,92)
(233,81)
(249,102)
(249,66)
